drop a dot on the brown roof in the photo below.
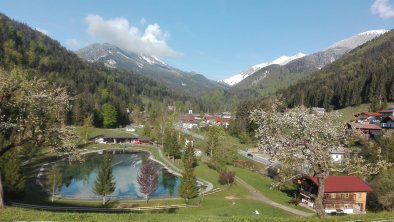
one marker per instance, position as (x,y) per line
(365,126)
(368,114)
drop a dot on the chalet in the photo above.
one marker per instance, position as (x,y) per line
(129,128)
(388,122)
(368,117)
(372,130)
(347,194)
(189,121)
(338,154)
(387,112)
(226,115)
(318,110)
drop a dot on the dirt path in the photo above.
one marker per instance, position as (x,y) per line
(257,195)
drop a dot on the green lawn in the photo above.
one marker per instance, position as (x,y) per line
(106,132)
(348,112)
(263,184)
(18,214)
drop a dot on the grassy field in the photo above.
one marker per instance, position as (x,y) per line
(348,112)
(18,214)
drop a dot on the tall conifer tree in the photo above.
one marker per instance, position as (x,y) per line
(105,184)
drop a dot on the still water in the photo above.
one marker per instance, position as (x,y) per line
(79,177)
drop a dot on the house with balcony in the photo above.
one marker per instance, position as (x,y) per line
(370,130)
(368,117)
(345,194)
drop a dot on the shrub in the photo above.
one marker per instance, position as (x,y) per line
(226,177)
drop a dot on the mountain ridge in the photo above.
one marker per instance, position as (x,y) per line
(269,79)
(113,56)
(283,60)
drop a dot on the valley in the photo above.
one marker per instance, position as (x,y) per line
(103,118)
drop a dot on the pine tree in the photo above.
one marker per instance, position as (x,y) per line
(188,188)
(14,181)
(189,158)
(148,178)
(105,184)
(54,180)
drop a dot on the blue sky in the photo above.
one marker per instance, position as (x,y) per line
(216,38)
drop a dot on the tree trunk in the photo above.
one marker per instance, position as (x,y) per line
(321,178)
(1,193)
(147,198)
(103,200)
(53,187)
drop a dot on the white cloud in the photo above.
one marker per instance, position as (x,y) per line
(120,32)
(382,8)
(73,43)
(43,31)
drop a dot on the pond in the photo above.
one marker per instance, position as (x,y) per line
(78,178)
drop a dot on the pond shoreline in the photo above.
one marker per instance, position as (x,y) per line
(128,150)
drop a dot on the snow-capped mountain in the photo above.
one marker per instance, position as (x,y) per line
(283,60)
(267,80)
(358,39)
(149,66)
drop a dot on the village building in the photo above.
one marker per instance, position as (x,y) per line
(370,130)
(368,117)
(189,121)
(338,154)
(130,128)
(318,110)
(387,112)
(101,139)
(342,194)
(388,122)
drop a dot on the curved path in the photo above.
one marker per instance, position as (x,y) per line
(167,162)
(257,195)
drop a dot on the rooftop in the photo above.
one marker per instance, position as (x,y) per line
(336,184)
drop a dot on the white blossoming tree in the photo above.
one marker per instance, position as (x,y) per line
(31,112)
(302,141)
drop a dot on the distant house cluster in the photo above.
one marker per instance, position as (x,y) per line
(190,120)
(373,123)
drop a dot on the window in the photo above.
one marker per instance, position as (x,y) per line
(359,195)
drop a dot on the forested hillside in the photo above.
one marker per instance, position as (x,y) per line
(366,74)
(91,86)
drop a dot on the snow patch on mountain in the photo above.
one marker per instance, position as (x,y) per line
(283,60)
(358,39)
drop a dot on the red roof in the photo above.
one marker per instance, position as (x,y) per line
(189,118)
(336,184)
(368,114)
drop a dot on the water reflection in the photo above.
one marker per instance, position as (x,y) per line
(79,178)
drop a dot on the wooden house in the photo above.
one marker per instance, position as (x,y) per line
(345,194)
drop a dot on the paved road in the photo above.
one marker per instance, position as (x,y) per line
(264,160)
(260,197)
